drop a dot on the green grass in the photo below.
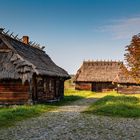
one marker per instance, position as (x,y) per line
(10,115)
(119,106)
(89,94)
(79,93)
(112,105)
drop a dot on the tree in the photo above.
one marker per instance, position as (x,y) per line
(132,57)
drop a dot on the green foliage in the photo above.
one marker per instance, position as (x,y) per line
(121,106)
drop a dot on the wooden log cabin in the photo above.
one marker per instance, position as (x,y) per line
(125,82)
(27,73)
(101,76)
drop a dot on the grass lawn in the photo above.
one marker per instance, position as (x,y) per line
(88,94)
(10,115)
(117,105)
(109,104)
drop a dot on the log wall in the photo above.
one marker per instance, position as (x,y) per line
(13,92)
(129,89)
(43,89)
(83,86)
(96,86)
(102,86)
(49,88)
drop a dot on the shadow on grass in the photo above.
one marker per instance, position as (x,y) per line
(119,106)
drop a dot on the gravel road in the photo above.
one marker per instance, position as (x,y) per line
(68,123)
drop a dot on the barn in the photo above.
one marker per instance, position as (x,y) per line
(125,82)
(27,73)
(101,76)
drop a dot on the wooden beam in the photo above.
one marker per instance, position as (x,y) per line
(5,50)
(35,97)
(30,100)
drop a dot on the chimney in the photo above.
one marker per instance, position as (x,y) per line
(25,39)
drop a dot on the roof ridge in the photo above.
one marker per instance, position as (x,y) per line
(15,38)
(92,61)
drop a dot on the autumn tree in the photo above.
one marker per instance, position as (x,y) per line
(132,57)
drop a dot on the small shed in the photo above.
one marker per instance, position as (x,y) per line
(99,76)
(126,83)
(27,73)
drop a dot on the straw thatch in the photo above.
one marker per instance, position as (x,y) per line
(19,60)
(124,77)
(97,71)
(103,71)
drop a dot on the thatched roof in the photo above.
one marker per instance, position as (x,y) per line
(97,71)
(20,60)
(101,71)
(124,77)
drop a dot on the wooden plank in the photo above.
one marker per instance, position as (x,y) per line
(14,89)
(4,83)
(13,102)
(7,94)
(14,99)
(5,50)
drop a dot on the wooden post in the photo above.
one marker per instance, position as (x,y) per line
(55,90)
(118,85)
(30,101)
(34,92)
(62,88)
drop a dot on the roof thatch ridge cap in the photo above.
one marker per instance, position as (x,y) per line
(16,53)
(85,61)
(124,72)
(102,62)
(20,41)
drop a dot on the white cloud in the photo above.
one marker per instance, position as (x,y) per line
(122,29)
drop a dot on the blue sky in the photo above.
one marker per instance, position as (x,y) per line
(74,30)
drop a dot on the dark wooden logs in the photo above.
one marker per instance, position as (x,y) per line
(13,92)
(83,86)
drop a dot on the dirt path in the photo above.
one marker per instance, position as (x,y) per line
(67,123)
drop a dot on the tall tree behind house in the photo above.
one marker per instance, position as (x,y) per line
(132,57)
